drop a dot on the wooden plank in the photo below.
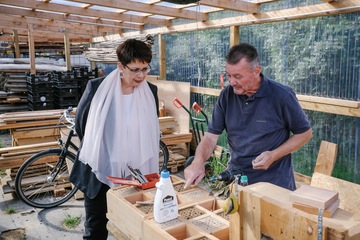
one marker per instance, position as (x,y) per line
(326,158)
(25,141)
(31,146)
(314,196)
(53,132)
(328,212)
(167,91)
(349,193)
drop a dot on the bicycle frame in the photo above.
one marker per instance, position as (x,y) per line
(65,149)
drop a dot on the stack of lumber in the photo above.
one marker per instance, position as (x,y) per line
(11,158)
(13,96)
(310,199)
(30,119)
(30,135)
(174,141)
(15,82)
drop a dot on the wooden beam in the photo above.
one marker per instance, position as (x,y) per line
(57,26)
(40,36)
(69,19)
(60,8)
(318,104)
(162,57)
(316,10)
(67,50)
(147,8)
(242,6)
(16,44)
(234,35)
(31,50)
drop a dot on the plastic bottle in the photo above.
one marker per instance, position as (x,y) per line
(165,203)
(244,180)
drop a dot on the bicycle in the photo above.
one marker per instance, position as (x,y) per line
(42,181)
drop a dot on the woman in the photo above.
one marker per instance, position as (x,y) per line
(117,123)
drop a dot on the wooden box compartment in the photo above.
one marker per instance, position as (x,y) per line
(122,212)
(213,225)
(214,206)
(204,227)
(193,195)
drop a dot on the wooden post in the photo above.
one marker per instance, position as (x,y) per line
(16,44)
(234,35)
(31,49)
(67,49)
(162,58)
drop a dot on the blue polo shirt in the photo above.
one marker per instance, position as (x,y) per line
(260,123)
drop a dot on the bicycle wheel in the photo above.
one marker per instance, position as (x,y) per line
(163,156)
(40,183)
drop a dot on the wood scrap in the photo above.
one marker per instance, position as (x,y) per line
(349,193)
(314,196)
(176,138)
(14,157)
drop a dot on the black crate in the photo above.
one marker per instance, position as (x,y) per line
(61,100)
(40,97)
(65,79)
(67,91)
(41,106)
(45,87)
(44,78)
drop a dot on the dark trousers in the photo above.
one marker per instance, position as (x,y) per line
(96,209)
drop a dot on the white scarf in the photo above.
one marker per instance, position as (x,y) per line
(108,144)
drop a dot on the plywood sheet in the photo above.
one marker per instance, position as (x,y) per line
(167,91)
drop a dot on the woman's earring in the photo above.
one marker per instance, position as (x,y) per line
(121,74)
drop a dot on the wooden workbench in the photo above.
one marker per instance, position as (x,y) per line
(264,209)
(267,209)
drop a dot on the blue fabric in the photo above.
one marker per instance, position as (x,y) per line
(260,123)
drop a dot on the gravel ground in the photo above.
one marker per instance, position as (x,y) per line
(37,224)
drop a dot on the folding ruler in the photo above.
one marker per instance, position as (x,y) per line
(320,223)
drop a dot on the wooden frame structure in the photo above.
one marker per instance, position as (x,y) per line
(95,21)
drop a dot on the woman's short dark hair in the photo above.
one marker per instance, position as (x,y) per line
(243,50)
(133,50)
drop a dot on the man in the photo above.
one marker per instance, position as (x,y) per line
(264,122)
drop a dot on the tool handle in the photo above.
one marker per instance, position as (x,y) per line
(196,108)
(177,103)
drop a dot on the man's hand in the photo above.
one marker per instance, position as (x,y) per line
(263,161)
(194,173)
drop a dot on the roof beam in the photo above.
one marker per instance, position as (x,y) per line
(42,28)
(148,8)
(316,10)
(62,17)
(59,8)
(78,27)
(234,5)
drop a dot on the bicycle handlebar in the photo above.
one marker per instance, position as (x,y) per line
(66,116)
